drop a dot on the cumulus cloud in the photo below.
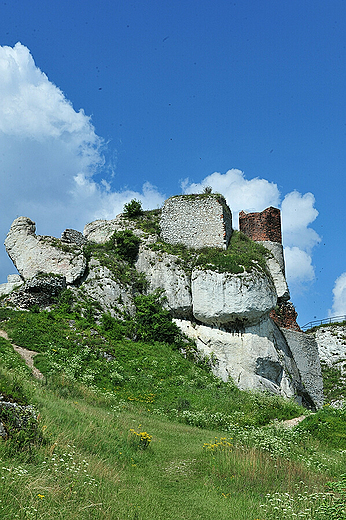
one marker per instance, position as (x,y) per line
(339,296)
(297,213)
(49,155)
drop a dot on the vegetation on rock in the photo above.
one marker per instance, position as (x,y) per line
(242,255)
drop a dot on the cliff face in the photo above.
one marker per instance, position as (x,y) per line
(221,298)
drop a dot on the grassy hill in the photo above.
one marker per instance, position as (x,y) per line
(133,425)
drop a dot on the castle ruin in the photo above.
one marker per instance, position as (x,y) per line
(197,221)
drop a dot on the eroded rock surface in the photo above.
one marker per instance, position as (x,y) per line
(40,291)
(33,254)
(13,282)
(102,286)
(164,271)
(259,358)
(222,298)
(331,342)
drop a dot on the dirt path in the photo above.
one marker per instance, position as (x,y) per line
(290,423)
(27,355)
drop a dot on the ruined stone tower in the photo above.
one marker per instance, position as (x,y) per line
(197,221)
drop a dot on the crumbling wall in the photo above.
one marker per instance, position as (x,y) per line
(262,226)
(196,221)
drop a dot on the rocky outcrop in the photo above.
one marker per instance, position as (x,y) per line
(13,282)
(276,267)
(40,291)
(99,231)
(305,352)
(221,299)
(33,254)
(164,271)
(102,286)
(243,321)
(331,343)
(258,358)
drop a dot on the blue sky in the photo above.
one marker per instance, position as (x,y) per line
(105,101)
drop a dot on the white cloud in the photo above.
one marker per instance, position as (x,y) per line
(339,296)
(49,154)
(297,212)
(299,268)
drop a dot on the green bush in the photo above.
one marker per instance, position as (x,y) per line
(126,245)
(133,209)
(328,426)
(152,321)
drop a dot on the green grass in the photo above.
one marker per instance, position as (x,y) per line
(242,255)
(214,451)
(90,468)
(177,385)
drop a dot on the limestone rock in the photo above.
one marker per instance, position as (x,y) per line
(305,351)
(33,254)
(331,343)
(13,282)
(279,278)
(39,291)
(102,286)
(223,298)
(71,236)
(100,231)
(164,271)
(249,360)
(257,359)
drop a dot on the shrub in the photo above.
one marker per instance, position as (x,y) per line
(153,322)
(133,209)
(126,245)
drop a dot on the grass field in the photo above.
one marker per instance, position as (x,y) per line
(163,440)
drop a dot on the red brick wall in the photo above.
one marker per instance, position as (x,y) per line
(285,316)
(264,225)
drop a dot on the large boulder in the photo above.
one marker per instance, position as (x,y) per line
(221,299)
(33,254)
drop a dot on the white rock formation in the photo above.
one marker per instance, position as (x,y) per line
(13,282)
(100,231)
(163,271)
(260,358)
(32,254)
(331,342)
(276,265)
(221,298)
(250,359)
(100,285)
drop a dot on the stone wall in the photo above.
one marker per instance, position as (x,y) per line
(196,221)
(262,226)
